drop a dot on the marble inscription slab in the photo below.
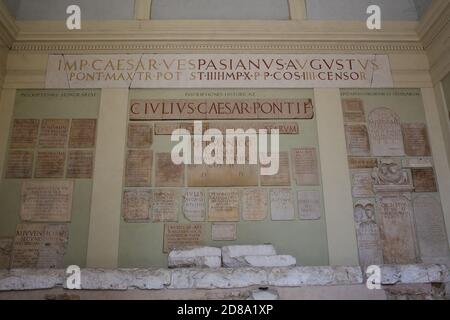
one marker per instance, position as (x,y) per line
(194,205)
(424,180)
(54,133)
(309,205)
(168,174)
(224,231)
(362,163)
(431,233)
(140,135)
(166,205)
(20,164)
(385,133)
(283,177)
(46,201)
(357,140)
(50,164)
(82,133)
(233,175)
(40,246)
(415,138)
(138,171)
(254,204)
(362,186)
(305,166)
(136,205)
(177,235)
(80,164)
(353,110)
(282,204)
(223,205)
(367,234)
(395,217)
(24,133)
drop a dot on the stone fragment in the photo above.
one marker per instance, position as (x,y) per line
(232,255)
(269,261)
(264,295)
(199,257)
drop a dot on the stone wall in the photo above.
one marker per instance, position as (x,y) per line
(398,282)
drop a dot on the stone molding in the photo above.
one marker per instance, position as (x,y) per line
(224,278)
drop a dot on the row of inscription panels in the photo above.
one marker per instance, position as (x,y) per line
(139,163)
(50,134)
(198,205)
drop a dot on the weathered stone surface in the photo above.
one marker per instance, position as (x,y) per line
(264,295)
(270,261)
(218,278)
(199,257)
(123,279)
(231,254)
(417,273)
(315,276)
(28,279)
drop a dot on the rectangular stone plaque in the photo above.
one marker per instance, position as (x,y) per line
(309,205)
(82,133)
(54,133)
(138,171)
(362,163)
(166,205)
(223,205)
(46,201)
(221,109)
(168,174)
(353,110)
(140,135)
(385,133)
(177,235)
(281,205)
(283,177)
(367,234)
(80,164)
(305,164)
(24,133)
(167,128)
(417,163)
(357,140)
(218,70)
(431,233)
(40,246)
(50,164)
(6,245)
(415,139)
(362,185)
(395,217)
(20,165)
(233,175)
(254,204)
(194,205)
(424,180)
(224,231)
(136,205)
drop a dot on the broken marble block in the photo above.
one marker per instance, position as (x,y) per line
(233,256)
(196,257)
(270,261)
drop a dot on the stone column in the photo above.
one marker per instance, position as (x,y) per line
(7,98)
(341,234)
(297,9)
(437,124)
(142,9)
(106,200)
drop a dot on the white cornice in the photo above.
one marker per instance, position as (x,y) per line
(8,26)
(434,21)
